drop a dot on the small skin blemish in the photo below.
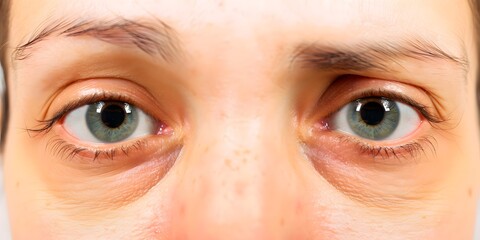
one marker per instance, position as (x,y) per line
(470,192)
(205,150)
(17,184)
(240,188)
(181,211)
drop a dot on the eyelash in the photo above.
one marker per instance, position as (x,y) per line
(67,150)
(380,93)
(408,151)
(411,149)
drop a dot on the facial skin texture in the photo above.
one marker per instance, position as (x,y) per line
(248,154)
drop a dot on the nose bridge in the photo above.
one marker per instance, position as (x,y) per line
(227,185)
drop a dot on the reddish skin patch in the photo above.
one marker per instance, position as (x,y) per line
(240,188)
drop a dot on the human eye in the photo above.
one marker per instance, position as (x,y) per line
(376,118)
(369,138)
(109,122)
(372,122)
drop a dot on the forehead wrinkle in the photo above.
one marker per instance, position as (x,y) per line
(151,37)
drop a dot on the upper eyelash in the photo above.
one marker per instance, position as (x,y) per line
(422,109)
(44,126)
(404,151)
(68,150)
(62,147)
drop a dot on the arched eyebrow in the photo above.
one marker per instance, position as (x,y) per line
(152,37)
(379,56)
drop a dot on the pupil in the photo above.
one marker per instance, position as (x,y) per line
(113,115)
(372,113)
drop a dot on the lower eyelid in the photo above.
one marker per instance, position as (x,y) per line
(405,153)
(72,151)
(337,146)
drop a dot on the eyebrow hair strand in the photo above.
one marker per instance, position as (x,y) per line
(372,56)
(151,38)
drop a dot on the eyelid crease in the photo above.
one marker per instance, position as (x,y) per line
(424,110)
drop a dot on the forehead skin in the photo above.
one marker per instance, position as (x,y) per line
(269,29)
(234,58)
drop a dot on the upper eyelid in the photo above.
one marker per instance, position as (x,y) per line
(347,88)
(422,109)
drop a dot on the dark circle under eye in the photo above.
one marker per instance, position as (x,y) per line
(111,121)
(373,118)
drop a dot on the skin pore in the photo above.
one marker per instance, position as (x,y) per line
(245,100)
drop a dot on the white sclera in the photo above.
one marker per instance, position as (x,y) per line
(408,122)
(75,123)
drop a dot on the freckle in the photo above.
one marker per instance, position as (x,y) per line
(17,184)
(470,192)
(282,221)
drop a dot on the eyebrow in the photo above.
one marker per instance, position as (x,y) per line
(151,37)
(374,56)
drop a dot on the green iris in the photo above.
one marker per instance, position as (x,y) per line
(111,121)
(373,118)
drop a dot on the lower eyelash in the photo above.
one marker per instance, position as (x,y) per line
(69,151)
(409,151)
